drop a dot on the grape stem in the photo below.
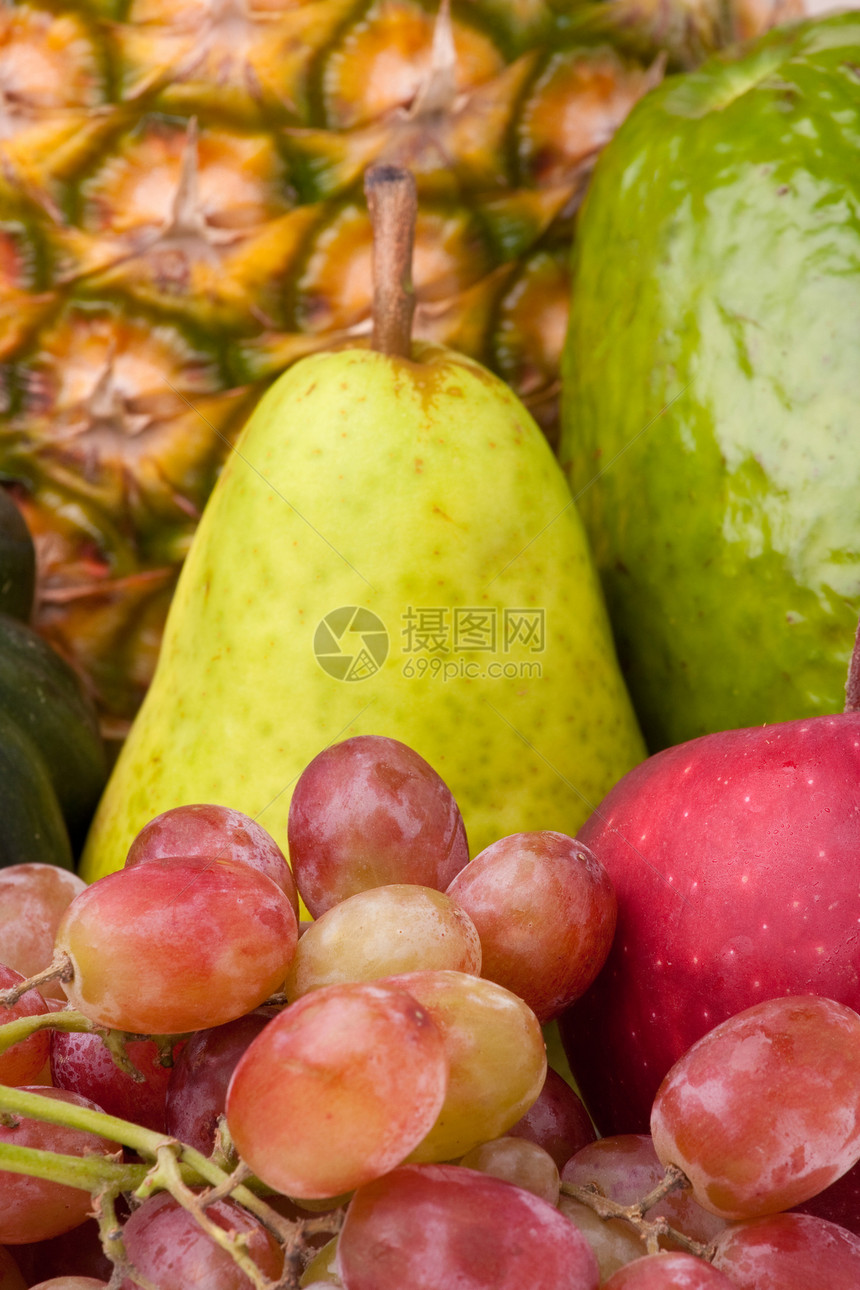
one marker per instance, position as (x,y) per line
(649,1230)
(59,969)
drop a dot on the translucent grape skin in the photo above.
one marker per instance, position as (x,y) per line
(764,1111)
(197,1087)
(214,832)
(22,1063)
(169,948)
(381,932)
(83,1064)
(556,1121)
(789,1252)
(33,898)
(367,812)
(337,1089)
(669,1271)
(545,910)
(165,1243)
(427,1226)
(34,1209)
(496,1056)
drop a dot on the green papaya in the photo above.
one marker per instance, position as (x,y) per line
(711,406)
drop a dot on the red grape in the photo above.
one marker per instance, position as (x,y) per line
(22,1063)
(71,1283)
(668,1272)
(430,1226)
(557,1121)
(165,948)
(216,833)
(367,812)
(545,911)
(33,898)
(337,1089)
(83,1064)
(77,1252)
(165,1243)
(10,1277)
(34,1209)
(764,1111)
(789,1252)
(197,1089)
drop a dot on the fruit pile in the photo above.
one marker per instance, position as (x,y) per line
(199,1085)
(226,1093)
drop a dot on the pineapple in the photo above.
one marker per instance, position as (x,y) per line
(181,217)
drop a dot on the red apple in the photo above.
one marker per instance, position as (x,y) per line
(736,862)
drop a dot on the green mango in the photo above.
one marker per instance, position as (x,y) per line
(711,406)
(378,521)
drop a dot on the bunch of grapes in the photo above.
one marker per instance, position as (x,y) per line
(202,1089)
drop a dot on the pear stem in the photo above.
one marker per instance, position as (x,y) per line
(393,205)
(852,685)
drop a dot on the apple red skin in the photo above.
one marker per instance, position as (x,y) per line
(736,862)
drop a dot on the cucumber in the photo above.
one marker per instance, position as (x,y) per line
(17,561)
(32,829)
(42,695)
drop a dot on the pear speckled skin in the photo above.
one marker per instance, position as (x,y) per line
(717,271)
(393,485)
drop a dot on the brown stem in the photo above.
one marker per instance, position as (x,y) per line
(852,685)
(392,202)
(59,969)
(649,1230)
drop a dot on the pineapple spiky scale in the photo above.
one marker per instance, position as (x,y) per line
(181,217)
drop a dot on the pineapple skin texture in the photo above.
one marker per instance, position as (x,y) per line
(389,484)
(716,277)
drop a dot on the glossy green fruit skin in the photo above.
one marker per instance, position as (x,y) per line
(32,829)
(362,480)
(17,561)
(712,384)
(40,692)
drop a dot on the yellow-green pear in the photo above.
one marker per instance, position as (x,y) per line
(391,549)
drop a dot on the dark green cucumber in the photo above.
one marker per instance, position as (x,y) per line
(43,696)
(17,561)
(32,829)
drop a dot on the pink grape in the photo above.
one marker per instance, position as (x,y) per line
(337,1089)
(789,1252)
(626,1168)
(83,1064)
(77,1252)
(34,1209)
(167,948)
(557,1121)
(165,1243)
(430,1226)
(386,930)
(545,910)
(496,1056)
(517,1161)
(21,1063)
(33,898)
(840,1202)
(367,812)
(214,832)
(197,1088)
(668,1272)
(71,1283)
(764,1111)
